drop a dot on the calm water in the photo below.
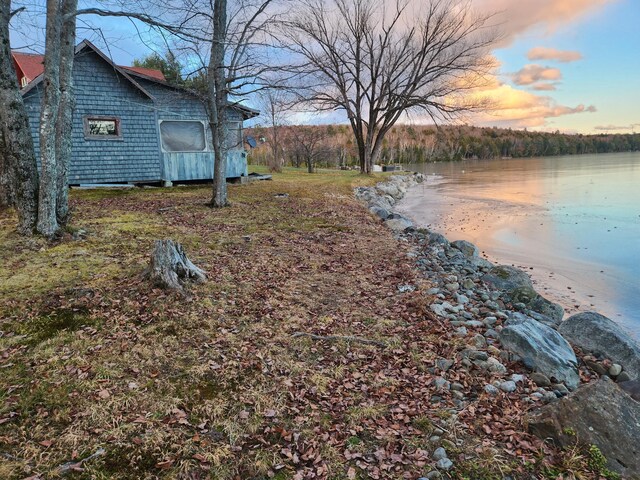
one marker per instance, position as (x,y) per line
(573,222)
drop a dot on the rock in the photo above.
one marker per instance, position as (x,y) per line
(452,287)
(623,377)
(546,309)
(540,379)
(595,366)
(491,390)
(406,288)
(435,475)
(398,224)
(439,454)
(615,370)
(507,278)
(461,331)
(543,348)
(467,248)
(474,323)
(599,414)
(508,386)
(595,333)
(457,387)
(518,378)
(479,341)
(380,212)
(437,239)
(444,364)
(388,188)
(444,464)
(492,365)
(632,388)
(442,384)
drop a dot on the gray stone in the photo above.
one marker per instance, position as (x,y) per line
(479,341)
(444,364)
(506,277)
(599,335)
(540,379)
(474,323)
(632,388)
(623,377)
(491,390)
(398,224)
(490,321)
(439,454)
(467,248)
(380,212)
(600,414)
(492,365)
(444,464)
(615,370)
(516,377)
(461,331)
(442,384)
(508,386)
(435,475)
(457,387)
(543,348)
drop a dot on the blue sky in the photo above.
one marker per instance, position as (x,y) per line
(607,77)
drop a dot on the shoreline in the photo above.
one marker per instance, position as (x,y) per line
(575,282)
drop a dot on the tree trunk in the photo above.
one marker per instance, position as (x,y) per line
(217,100)
(310,165)
(47,220)
(65,113)
(20,172)
(170,267)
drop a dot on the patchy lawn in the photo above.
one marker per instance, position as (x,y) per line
(212,384)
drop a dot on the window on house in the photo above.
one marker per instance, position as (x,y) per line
(234,135)
(183,136)
(102,128)
(24,81)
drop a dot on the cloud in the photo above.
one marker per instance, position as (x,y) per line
(543,87)
(543,53)
(516,17)
(516,108)
(614,128)
(533,73)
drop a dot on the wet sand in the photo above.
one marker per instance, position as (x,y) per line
(521,220)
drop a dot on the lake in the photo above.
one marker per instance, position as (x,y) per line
(572,222)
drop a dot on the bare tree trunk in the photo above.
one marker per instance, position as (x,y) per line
(65,113)
(217,99)
(20,171)
(47,220)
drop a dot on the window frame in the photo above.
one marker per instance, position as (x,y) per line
(191,120)
(109,138)
(240,144)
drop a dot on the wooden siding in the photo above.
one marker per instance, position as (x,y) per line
(136,156)
(172,104)
(101,91)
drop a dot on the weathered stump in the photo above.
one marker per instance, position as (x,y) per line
(170,267)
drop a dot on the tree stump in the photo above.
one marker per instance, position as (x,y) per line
(170,268)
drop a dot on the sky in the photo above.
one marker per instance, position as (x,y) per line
(568,65)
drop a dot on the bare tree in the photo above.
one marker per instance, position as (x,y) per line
(273,107)
(310,143)
(379,62)
(18,168)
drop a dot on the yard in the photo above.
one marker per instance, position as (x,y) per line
(212,384)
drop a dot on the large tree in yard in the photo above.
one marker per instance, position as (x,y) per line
(18,169)
(380,61)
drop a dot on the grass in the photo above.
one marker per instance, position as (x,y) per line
(210,384)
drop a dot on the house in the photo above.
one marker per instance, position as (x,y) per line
(131,126)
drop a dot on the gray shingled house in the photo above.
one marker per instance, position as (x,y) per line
(131,126)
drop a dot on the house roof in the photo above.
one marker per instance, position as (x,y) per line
(147,72)
(31,64)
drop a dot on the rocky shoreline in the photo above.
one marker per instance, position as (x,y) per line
(573,362)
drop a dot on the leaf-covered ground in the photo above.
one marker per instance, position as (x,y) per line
(212,384)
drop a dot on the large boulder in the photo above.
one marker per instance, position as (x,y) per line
(516,287)
(506,278)
(468,248)
(595,333)
(542,349)
(599,414)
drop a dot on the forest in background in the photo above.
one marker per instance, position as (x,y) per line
(333,145)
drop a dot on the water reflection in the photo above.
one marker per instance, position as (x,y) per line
(573,221)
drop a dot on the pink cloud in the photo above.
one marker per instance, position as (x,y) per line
(543,87)
(533,73)
(543,53)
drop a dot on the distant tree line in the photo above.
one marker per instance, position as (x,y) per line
(415,144)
